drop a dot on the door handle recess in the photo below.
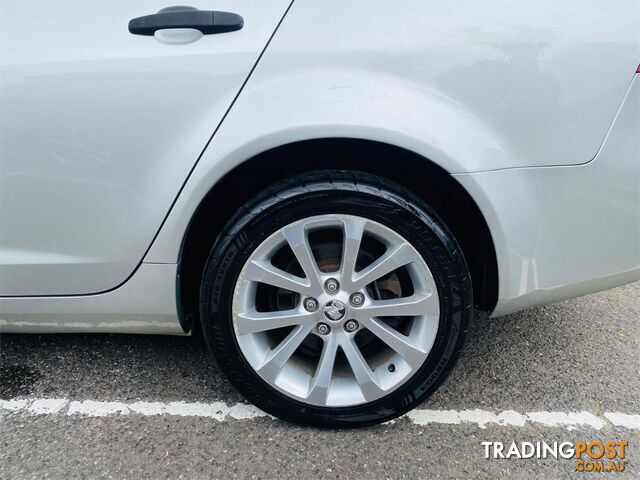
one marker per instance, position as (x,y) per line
(208,22)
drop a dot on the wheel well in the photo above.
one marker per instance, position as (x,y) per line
(423,177)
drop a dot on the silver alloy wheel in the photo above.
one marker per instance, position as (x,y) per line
(342,372)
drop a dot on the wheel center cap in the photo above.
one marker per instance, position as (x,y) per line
(334,310)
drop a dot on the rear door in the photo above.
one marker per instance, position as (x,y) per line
(100,127)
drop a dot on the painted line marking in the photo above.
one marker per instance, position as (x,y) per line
(220,411)
(623,420)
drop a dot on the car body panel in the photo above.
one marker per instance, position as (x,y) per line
(100,128)
(146,303)
(515,103)
(561,232)
(377,74)
(558,231)
(523,86)
(290,98)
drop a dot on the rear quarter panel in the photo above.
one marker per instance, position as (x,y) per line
(469,87)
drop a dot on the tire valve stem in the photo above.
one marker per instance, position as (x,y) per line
(391,367)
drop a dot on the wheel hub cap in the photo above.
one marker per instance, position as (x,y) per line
(335,310)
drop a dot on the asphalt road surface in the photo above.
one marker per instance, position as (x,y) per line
(580,357)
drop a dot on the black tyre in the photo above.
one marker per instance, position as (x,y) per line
(336,300)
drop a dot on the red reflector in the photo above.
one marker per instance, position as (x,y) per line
(638,69)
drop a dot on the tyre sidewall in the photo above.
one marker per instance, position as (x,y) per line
(415,222)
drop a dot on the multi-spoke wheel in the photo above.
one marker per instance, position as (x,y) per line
(347,318)
(336,303)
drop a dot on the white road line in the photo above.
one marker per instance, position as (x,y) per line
(623,420)
(45,406)
(569,419)
(220,411)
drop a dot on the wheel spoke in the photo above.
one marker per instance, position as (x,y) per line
(325,379)
(278,357)
(367,379)
(353,228)
(396,341)
(253,321)
(400,307)
(392,259)
(296,237)
(264,272)
(321,381)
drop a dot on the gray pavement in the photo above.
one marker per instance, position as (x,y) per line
(578,355)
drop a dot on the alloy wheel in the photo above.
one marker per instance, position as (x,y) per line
(335,310)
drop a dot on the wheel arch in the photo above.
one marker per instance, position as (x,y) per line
(414,172)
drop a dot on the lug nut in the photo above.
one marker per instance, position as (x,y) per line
(331,285)
(357,299)
(351,326)
(323,328)
(310,304)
